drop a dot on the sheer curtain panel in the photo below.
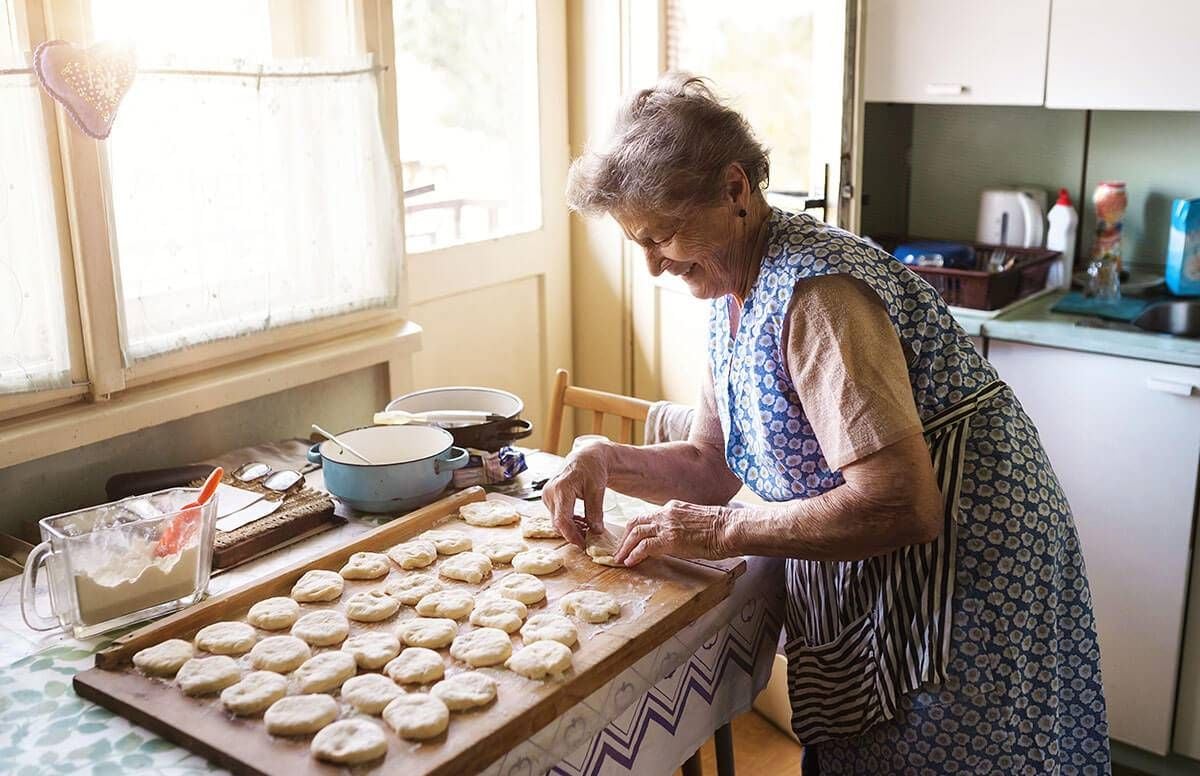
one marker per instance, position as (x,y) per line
(249,197)
(34,349)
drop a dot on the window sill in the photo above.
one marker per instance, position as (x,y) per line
(83,423)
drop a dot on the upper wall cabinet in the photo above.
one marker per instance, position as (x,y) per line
(1117,55)
(950,51)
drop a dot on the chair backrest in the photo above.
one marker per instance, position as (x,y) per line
(628,410)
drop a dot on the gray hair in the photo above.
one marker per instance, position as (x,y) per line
(668,153)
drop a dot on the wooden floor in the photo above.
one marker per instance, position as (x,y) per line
(758,747)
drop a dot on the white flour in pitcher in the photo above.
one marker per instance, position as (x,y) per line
(133,580)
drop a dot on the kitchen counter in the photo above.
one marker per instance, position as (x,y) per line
(1034,324)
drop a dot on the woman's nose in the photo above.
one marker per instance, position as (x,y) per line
(655,262)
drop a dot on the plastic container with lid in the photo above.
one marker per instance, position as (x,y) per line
(1183,248)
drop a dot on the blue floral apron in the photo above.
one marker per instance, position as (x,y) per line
(973,653)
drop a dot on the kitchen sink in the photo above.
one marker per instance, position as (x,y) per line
(1179,318)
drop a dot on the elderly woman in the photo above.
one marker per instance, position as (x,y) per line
(938,615)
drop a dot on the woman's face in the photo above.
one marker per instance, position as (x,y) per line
(698,249)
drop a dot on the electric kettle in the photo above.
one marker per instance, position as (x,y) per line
(1013,217)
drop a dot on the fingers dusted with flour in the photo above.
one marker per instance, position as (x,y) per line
(678,528)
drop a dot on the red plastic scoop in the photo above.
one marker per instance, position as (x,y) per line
(180,530)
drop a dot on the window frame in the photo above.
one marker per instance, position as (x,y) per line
(79,176)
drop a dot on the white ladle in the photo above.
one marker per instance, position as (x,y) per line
(345,446)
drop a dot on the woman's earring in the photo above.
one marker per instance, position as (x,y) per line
(742,213)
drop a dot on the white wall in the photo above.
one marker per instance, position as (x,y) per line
(76,478)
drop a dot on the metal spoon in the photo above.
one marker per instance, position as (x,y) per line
(345,446)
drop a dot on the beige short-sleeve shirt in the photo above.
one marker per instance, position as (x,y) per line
(849,368)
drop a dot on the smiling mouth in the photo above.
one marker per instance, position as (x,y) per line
(688,272)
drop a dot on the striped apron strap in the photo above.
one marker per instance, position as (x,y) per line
(862,634)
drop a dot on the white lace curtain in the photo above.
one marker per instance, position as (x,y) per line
(248,197)
(33,320)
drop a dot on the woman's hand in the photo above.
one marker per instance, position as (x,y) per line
(584,476)
(680,529)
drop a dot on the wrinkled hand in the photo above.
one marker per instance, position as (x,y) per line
(584,476)
(680,529)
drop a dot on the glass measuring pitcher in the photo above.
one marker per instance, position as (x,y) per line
(120,563)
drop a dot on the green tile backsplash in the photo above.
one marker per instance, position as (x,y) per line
(1157,154)
(952,152)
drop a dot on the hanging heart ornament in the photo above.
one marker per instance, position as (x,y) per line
(89,83)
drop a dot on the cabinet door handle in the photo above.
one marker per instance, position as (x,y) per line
(945,90)
(1177,387)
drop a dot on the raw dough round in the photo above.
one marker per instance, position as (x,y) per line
(465,690)
(503,613)
(369,693)
(256,691)
(282,654)
(482,647)
(489,513)
(318,585)
(502,550)
(372,649)
(454,604)
(525,588)
(206,675)
(410,588)
(274,613)
(539,560)
(322,628)
(349,742)
(164,659)
(365,565)
(467,567)
(226,638)
(539,527)
(540,659)
(413,555)
(326,671)
(603,555)
(416,665)
(371,606)
(417,716)
(298,715)
(590,605)
(429,632)
(448,542)
(548,626)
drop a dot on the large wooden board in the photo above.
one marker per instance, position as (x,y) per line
(658,598)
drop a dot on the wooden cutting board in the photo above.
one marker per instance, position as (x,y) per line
(658,598)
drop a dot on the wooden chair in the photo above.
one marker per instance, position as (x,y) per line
(628,410)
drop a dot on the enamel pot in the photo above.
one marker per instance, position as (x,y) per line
(412,466)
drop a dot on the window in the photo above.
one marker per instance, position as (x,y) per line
(249,183)
(468,120)
(228,219)
(34,348)
(759,55)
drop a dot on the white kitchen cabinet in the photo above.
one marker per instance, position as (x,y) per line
(1117,55)
(950,51)
(1125,442)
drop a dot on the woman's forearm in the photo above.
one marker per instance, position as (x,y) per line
(839,525)
(686,471)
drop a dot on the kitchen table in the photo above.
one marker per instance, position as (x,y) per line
(648,719)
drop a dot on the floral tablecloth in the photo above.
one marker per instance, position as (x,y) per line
(648,719)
